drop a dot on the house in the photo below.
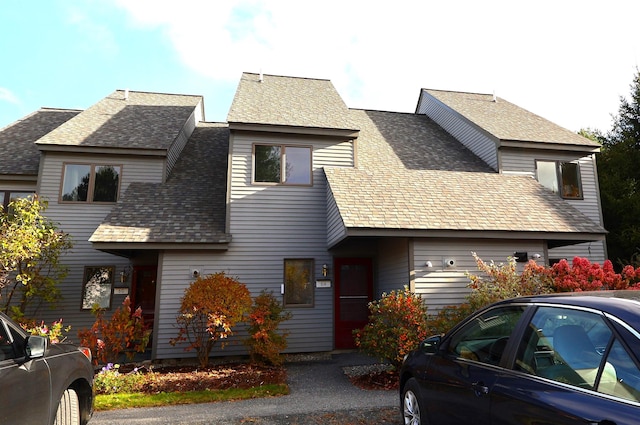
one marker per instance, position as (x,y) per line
(325,206)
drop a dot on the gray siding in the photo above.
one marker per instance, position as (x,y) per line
(393,265)
(522,161)
(80,220)
(469,135)
(441,286)
(268,224)
(183,137)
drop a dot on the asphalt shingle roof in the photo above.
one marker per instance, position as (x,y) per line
(288,101)
(17,140)
(506,121)
(413,175)
(188,208)
(451,200)
(143,120)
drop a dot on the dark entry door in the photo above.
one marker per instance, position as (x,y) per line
(143,292)
(353,292)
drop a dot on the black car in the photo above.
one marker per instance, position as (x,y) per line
(550,359)
(42,383)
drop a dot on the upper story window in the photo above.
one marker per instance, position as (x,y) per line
(91,183)
(7,196)
(561,177)
(282,164)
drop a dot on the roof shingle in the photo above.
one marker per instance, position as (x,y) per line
(188,208)
(17,140)
(288,101)
(507,121)
(142,120)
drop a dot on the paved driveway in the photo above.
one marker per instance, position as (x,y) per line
(317,387)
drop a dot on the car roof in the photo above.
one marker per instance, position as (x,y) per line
(623,304)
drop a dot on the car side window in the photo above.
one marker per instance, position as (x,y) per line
(485,337)
(567,346)
(624,379)
(6,347)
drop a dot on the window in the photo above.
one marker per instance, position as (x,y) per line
(485,338)
(91,183)
(560,177)
(282,164)
(97,287)
(6,345)
(298,282)
(6,197)
(567,346)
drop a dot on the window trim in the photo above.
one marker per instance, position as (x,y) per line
(558,169)
(7,197)
(311,264)
(85,273)
(92,179)
(283,158)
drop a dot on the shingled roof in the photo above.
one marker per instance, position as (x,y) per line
(506,121)
(290,102)
(17,140)
(412,175)
(188,209)
(139,120)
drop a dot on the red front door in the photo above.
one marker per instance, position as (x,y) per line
(143,292)
(353,292)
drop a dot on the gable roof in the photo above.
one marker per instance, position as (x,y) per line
(17,140)
(506,121)
(189,209)
(414,177)
(289,104)
(140,120)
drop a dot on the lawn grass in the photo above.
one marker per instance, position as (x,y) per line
(128,400)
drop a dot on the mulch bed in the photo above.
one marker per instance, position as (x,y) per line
(213,377)
(242,375)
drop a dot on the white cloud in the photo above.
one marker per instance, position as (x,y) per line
(568,61)
(7,96)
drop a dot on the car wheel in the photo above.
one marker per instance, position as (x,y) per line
(69,409)
(412,412)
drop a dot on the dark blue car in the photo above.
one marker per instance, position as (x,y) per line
(553,359)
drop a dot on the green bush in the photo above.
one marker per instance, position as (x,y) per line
(110,381)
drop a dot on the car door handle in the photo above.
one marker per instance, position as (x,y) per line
(480,389)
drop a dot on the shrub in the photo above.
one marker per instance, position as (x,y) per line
(125,333)
(501,281)
(56,332)
(583,275)
(397,324)
(110,381)
(447,318)
(210,307)
(265,342)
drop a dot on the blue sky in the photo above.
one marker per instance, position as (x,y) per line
(569,61)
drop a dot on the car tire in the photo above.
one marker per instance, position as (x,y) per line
(411,405)
(68,412)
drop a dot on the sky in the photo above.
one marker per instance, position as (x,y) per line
(569,61)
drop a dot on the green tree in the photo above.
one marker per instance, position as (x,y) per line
(619,178)
(30,249)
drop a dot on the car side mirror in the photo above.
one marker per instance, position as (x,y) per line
(431,344)
(35,346)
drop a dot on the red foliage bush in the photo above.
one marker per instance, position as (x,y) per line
(397,324)
(210,307)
